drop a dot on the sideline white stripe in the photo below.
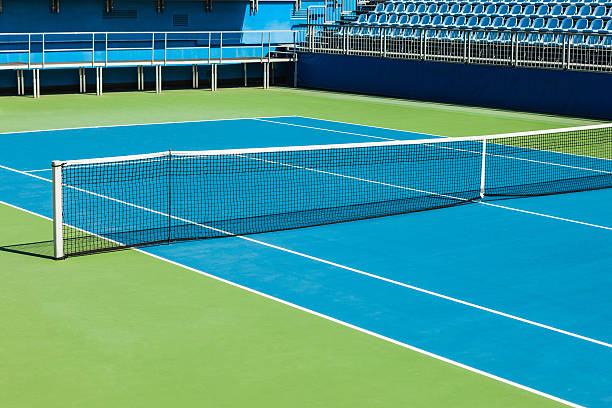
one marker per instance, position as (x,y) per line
(371,275)
(324,129)
(341,322)
(545,215)
(133,124)
(36,171)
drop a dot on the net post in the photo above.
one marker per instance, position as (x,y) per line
(58,222)
(483,168)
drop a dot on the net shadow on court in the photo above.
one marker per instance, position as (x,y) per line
(40,249)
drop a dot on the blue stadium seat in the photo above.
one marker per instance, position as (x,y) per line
(372,19)
(555,11)
(414,20)
(421,9)
(444,9)
(379,9)
(523,27)
(584,11)
(403,20)
(472,22)
(529,10)
(382,20)
(502,10)
(478,10)
(595,26)
(362,19)
(432,9)
(549,37)
(436,21)
(580,25)
(449,21)
(493,36)
(460,21)
(516,10)
(570,11)
(392,19)
(606,42)
(484,23)
(567,24)
(538,24)
(608,28)
(598,12)
(455,9)
(542,11)
(410,8)
(399,8)
(510,23)
(466,9)
(491,10)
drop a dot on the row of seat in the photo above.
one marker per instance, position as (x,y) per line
(497,37)
(592,3)
(488,22)
(502,10)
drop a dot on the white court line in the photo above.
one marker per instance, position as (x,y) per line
(327,130)
(36,171)
(370,126)
(545,215)
(134,124)
(340,322)
(358,271)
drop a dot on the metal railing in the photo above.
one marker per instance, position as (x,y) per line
(331,11)
(44,50)
(586,51)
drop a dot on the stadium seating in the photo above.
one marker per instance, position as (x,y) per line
(534,21)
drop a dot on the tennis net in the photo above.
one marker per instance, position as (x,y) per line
(109,203)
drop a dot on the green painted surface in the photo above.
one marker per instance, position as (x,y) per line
(125,329)
(60,111)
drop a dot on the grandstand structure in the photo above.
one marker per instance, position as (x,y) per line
(135,44)
(553,34)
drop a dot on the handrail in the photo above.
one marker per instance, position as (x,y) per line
(97,45)
(146,32)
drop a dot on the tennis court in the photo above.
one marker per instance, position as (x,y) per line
(513,290)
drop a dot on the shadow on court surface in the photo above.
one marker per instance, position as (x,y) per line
(41,249)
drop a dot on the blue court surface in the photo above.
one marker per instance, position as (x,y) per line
(517,289)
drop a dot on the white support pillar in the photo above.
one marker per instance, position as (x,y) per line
(246,74)
(140,79)
(58,221)
(213,77)
(20,83)
(99,81)
(266,75)
(195,76)
(36,82)
(82,81)
(158,79)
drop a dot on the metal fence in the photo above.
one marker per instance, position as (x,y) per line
(541,49)
(45,50)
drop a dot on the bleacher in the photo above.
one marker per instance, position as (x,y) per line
(510,32)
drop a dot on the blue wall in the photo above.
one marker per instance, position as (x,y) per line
(538,90)
(87,15)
